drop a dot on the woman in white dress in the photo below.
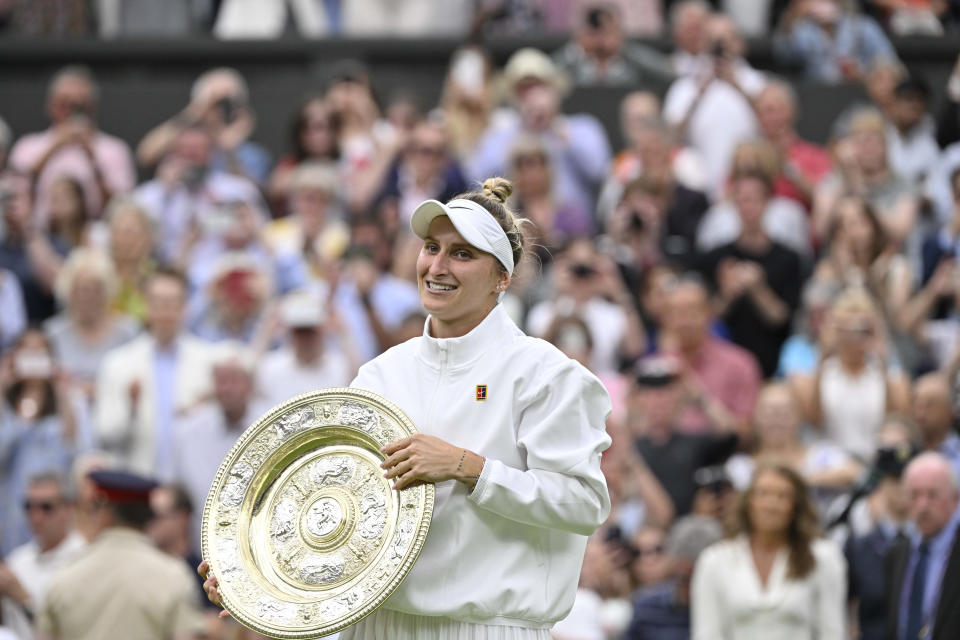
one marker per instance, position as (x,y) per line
(774,578)
(511,432)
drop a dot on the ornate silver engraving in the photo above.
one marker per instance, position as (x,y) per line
(236,485)
(359,415)
(324,516)
(373,506)
(293,422)
(283,524)
(335,469)
(318,570)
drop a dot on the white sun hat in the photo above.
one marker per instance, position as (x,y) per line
(477,226)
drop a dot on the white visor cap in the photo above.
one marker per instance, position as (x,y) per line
(477,226)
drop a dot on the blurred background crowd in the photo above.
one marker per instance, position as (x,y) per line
(775,315)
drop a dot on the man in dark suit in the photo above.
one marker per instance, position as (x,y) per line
(925,569)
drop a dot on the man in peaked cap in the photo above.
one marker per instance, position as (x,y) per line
(122,587)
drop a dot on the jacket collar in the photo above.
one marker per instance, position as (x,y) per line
(492,331)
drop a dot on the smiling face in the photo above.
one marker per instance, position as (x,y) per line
(458,283)
(771,503)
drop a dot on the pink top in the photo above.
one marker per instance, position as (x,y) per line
(731,375)
(112,155)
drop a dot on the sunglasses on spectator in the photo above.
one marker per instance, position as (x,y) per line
(46,506)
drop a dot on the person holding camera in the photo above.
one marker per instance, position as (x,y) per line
(219,103)
(74,146)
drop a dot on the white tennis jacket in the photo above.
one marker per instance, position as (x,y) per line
(510,551)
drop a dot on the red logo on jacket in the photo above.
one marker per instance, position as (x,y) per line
(481,392)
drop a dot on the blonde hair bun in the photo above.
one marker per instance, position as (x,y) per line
(497,188)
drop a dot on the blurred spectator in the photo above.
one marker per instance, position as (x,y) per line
(650,565)
(232,302)
(536,195)
(655,406)
(314,356)
(203,434)
(784,219)
(688,25)
(948,120)
(144,384)
(406,18)
(831,40)
(102,591)
(724,377)
(313,140)
(422,170)
(881,80)
(884,522)
(588,283)
(753,19)
(50,18)
(67,217)
(934,415)
(853,387)
(639,500)
(74,146)
(595,612)
(87,328)
(13,314)
(804,163)
(915,18)
(656,220)
(859,253)
(264,19)
(799,354)
(775,577)
(720,91)
(923,575)
(912,134)
(170,531)
(651,149)
(862,168)
(44,428)
(183,199)
(363,134)
(369,300)
(467,99)
(6,139)
(29,568)
(145,18)
(220,104)
(314,231)
(579,151)
(826,468)
(599,55)
(757,278)
(131,238)
(662,611)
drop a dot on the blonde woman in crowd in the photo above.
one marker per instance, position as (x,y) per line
(853,387)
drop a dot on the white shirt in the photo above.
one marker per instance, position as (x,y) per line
(853,406)
(606,322)
(280,377)
(201,440)
(728,601)
(722,119)
(34,569)
(510,551)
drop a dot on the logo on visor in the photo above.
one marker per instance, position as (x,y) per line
(481,392)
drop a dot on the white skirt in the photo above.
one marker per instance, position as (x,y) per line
(384,624)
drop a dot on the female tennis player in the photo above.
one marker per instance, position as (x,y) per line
(511,432)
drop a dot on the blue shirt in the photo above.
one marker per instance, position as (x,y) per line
(856,38)
(950,447)
(658,616)
(164,389)
(939,554)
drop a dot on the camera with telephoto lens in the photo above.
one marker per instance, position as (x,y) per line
(891,461)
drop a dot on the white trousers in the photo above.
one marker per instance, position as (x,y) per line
(383,624)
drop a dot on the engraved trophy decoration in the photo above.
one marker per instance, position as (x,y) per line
(302,530)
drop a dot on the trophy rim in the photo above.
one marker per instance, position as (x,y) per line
(254,430)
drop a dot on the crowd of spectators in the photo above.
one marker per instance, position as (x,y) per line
(776,321)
